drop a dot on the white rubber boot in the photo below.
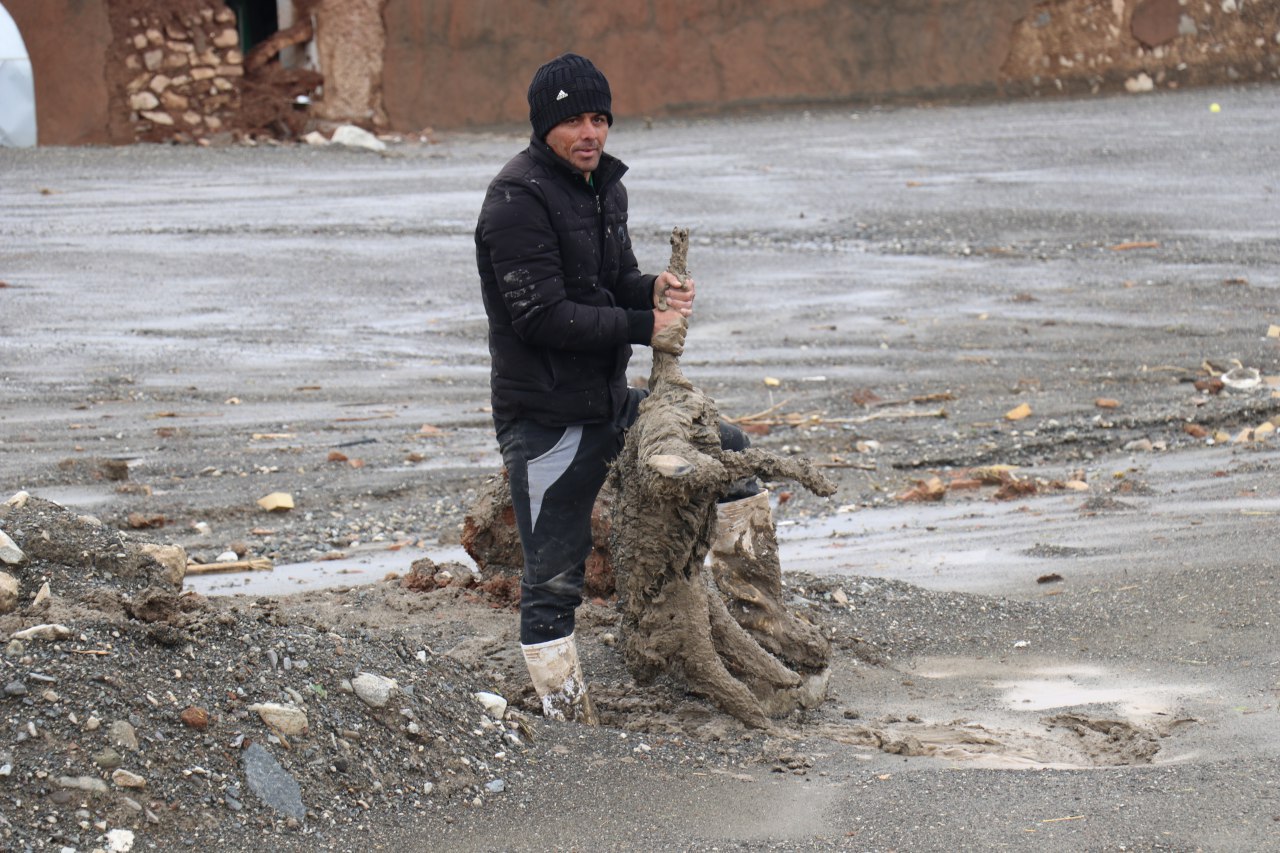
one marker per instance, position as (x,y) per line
(557,676)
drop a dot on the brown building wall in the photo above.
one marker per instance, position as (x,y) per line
(459,62)
(410,64)
(67,41)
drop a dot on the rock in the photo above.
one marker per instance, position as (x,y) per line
(15,688)
(285,719)
(92,784)
(171,558)
(10,553)
(497,786)
(157,117)
(494,705)
(42,632)
(355,137)
(43,595)
(272,783)
(125,779)
(195,717)
(276,502)
(9,591)
(1141,83)
(375,690)
(123,735)
(119,841)
(143,101)
(108,759)
(1155,22)
(18,501)
(315,137)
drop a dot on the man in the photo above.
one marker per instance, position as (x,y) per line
(566,301)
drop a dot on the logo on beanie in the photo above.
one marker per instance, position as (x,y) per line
(563,94)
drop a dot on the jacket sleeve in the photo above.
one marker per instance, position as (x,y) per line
(634,289)
(524,251)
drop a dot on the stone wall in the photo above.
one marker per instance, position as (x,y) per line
(176,67)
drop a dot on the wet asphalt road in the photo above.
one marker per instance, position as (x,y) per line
(1041,252)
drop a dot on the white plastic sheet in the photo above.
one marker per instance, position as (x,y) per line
(17,87)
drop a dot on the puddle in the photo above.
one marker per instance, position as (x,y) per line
(1034,715)
(1032,686)
(76,497)
(363,568)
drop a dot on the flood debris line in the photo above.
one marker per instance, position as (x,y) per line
(675,619)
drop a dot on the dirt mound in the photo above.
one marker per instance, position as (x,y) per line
(139,709)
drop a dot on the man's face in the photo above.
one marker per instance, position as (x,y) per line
(580,140)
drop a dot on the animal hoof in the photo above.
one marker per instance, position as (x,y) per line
(671,466)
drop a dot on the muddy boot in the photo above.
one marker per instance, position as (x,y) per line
(557,676)
(744,562)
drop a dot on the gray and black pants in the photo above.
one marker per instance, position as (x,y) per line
(555,475)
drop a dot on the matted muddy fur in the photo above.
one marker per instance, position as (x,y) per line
(666,483)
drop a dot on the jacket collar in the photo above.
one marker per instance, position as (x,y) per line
(609,170)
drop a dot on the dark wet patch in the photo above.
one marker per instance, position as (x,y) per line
(1041,549)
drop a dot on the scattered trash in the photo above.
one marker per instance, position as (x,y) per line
(1018,413)
(1106,403)
(1242,378)
(932,489)
(1053,577)
(355,137)
(1137,244)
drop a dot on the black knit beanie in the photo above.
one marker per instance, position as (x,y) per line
(566,86)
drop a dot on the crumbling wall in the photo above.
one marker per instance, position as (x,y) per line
(458,62)
(1078,46)
(174,69)
(410,64)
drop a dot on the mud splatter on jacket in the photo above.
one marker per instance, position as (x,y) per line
(562,290)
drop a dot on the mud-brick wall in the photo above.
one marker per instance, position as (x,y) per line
(458,62)
(176,67)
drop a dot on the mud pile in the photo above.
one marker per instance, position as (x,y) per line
(135,708)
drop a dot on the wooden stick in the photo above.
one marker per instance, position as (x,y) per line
(258,564)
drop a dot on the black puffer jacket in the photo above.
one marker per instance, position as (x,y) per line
(561,287)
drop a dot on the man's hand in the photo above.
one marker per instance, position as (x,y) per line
(669,293)
(669,328)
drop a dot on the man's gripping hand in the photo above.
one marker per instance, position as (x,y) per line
(669,293)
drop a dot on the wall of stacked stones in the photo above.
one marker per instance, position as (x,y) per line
(183,70)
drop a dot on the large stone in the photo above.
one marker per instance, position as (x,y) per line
(123,735)
(9,591)
(227,38)
(1155,22)
(10,553)
(374,690)
(285,719)
(143,101)
(272,783)
(171,558)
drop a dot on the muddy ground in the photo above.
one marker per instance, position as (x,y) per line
(1087,662)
